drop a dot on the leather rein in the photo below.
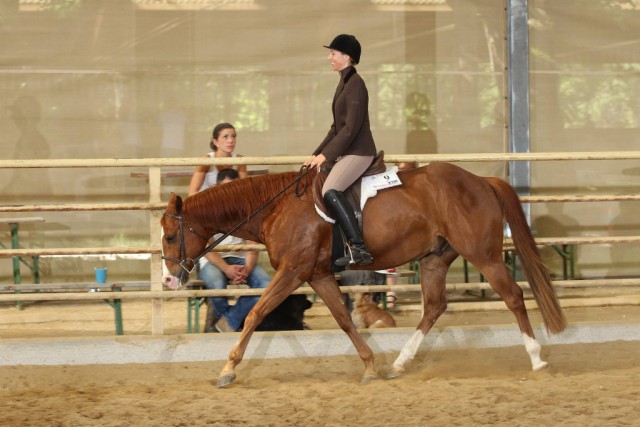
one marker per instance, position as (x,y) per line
(183,260)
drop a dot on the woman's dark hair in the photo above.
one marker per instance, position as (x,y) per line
(226,173)
(216,133)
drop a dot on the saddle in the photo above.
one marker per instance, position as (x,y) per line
(352,194)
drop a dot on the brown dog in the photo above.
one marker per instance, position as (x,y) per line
(367,314)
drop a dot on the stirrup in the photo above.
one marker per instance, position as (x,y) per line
(358,254)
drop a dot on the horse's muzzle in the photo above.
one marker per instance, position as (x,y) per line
(172,282)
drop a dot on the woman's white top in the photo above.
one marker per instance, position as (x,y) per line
(210,179)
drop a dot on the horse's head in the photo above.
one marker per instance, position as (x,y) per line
(182,242)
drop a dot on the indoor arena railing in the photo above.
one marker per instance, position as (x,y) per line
(155,206)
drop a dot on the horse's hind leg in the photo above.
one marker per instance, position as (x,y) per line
(502,282)
(433,272)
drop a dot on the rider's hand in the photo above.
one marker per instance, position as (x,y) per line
(315,161)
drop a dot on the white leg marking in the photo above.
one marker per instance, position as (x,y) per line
(409,350)
(533,348)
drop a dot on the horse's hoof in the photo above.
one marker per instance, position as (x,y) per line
(540,366)
(225,380)
(368,378)
(395,373)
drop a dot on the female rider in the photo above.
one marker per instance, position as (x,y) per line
(349,143)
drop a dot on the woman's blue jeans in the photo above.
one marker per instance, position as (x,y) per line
(214,278)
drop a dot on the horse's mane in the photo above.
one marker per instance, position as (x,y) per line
(240,198)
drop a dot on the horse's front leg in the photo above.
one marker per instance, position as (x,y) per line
(327,288)
(279,288)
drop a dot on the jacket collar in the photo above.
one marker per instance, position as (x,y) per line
(347,73)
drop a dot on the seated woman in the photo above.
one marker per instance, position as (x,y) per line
(217,269)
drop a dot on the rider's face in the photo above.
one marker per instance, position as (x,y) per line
(338,60)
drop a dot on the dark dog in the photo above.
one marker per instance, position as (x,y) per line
(288,316)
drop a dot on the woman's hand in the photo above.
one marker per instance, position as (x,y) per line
(309,160)
(315,161)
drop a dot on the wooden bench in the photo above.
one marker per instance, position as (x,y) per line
(564,246)
(565,250)
(193,306)
(105,288)
(413,274)
(194,303)
(14,223)
(109,288)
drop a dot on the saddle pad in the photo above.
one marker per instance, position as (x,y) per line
(371,184)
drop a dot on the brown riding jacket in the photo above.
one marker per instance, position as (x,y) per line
(350,132)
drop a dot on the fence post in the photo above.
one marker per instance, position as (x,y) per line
(155,184)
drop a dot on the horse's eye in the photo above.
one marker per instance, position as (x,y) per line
(170,239)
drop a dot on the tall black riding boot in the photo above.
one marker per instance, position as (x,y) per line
(340,209)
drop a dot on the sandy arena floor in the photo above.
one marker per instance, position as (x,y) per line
(585,385)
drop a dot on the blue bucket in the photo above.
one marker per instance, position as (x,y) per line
(101,275)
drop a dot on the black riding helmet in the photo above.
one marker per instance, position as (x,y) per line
(348,44)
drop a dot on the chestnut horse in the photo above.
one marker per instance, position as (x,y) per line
(440,212)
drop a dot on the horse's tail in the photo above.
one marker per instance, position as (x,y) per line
(535,270)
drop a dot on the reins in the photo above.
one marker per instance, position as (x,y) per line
(304,170)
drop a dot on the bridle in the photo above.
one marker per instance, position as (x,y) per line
(183,250)
(183,260)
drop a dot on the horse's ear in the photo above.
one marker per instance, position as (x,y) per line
(176,202)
